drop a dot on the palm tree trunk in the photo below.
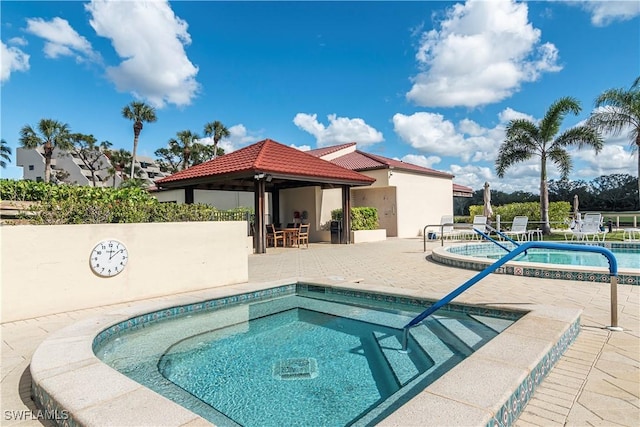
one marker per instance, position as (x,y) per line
(544,197)
(133,155)
(47,167)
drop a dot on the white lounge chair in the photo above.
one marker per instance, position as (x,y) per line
(479,223)
(446,231)
(589,229)
(518,228)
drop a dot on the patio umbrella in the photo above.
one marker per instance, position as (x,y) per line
(488,211)
(576,212)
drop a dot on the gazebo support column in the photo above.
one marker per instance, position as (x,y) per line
(259,225)
(275,202)
(346,214)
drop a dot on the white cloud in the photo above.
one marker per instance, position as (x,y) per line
(18,41)
(604,13)
(150,39)
(12,59)
(482,53)
(431,133)
(614,158)
(300,147)
(341,130)
(61,39)
(420,160)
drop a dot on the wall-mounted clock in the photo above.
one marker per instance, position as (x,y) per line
(108,258)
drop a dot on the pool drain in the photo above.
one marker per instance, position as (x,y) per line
(296,369)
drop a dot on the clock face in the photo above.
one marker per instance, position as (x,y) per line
(108,258)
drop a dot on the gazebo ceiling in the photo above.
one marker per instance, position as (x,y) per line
(279,165)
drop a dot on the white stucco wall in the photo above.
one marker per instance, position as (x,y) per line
(421,200)
(45,268)
(222,200)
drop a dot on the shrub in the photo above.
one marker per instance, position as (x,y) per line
(558,212)
(362,218)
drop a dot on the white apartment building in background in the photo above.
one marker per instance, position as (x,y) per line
(76,172)
(32,163)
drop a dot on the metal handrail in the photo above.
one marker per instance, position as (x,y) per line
(613,272)
(448,224)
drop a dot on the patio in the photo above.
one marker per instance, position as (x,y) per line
(597,382)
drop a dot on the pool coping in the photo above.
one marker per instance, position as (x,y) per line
(626,276)
(499,378)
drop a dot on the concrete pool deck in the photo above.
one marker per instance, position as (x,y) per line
(597,382)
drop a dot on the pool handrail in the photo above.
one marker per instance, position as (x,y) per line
(613,273)
(487,237)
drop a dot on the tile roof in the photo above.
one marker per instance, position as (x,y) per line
(359,161)
(270,157)
(462,188)
(319,152)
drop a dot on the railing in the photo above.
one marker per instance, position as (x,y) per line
(449,224)
(613,272)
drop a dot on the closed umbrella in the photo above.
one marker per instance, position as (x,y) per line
(488,211)
(576,212)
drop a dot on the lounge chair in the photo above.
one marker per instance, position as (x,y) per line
(518,228)
(479,223)
(589,229)
(445,231)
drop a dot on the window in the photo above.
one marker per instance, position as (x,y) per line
(38,179)
(30,167)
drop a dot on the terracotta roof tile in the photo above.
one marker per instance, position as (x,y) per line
(360,160)
(319,152)
(270,157)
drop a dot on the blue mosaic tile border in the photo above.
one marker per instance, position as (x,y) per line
(512,407)
(52,410)
(546,273)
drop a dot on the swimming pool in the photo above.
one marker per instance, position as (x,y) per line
(309,355)
(580,266)
(93,393)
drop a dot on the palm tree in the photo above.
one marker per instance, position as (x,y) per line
(119,159)
(218,131)
(5,153)
(185,144)
(619,109)
(139,112)
(53,134)
(525,139)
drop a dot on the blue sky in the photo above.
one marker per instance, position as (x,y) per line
(429,82)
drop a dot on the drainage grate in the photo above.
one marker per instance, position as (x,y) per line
(296,369)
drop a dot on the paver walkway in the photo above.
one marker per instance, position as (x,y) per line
(597,382)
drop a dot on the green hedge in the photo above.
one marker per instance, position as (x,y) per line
(362,218)
(558,212)
(70,204)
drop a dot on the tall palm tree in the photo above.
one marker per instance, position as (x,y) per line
(218,131)
(138,112)
(5,153)
(52,134)
(617,110)
(525,139)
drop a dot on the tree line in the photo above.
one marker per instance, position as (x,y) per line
(615,193)
(181,152)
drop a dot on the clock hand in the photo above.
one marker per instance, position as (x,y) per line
(114,254)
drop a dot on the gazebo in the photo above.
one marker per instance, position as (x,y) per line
(268,166)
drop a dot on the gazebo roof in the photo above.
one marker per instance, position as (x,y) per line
(281,165)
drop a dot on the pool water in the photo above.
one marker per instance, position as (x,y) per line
(309,358)
(627,258)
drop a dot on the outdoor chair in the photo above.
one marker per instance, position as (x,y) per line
(302,236)
(446,231)
(518,228)
(589,229)
(275,236)
(479,223)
